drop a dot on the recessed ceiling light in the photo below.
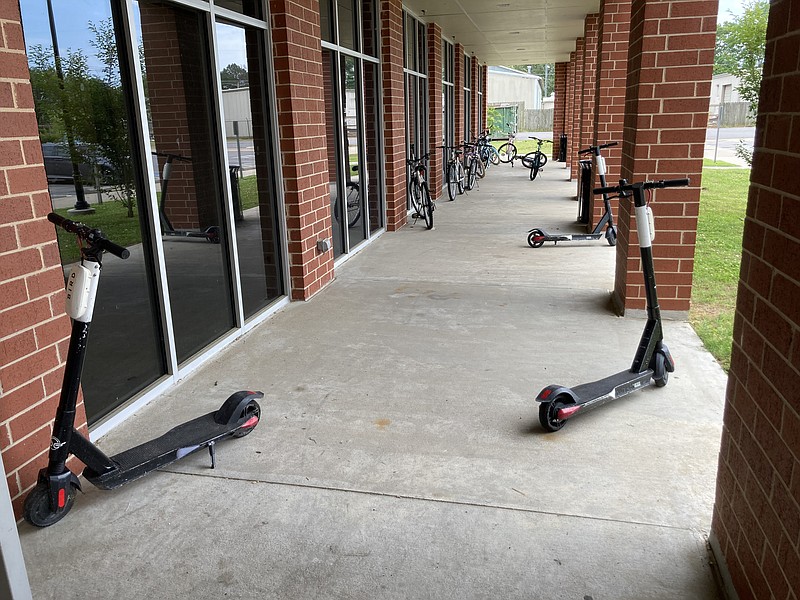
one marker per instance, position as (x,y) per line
(504,5)
(513,33)
(520,49)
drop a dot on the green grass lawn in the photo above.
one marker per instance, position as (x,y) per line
(718,256)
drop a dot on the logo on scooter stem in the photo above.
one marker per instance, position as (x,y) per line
(55,443)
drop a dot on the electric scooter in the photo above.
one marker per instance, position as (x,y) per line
(54,494)
(210,234)
(652,363)
(537,237)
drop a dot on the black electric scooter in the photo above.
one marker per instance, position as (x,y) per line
(54,494)
(537,237)
(652,363)
(210,234)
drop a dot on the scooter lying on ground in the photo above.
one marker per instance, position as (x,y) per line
(537,237)
(652,363)
(54,494)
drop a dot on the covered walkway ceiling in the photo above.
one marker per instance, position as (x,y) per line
(508,32)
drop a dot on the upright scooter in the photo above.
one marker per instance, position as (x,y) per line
(210,234)
(537,237)
(652,363)
(54,494)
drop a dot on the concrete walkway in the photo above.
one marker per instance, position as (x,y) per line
(399,453)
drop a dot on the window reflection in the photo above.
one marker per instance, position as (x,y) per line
(247,131)
(85,127)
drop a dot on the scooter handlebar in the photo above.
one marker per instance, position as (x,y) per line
(645,185)
(93,236)
(600,147)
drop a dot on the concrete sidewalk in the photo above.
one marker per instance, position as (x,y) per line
(399,453)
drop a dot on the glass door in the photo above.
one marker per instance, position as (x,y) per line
(184,144)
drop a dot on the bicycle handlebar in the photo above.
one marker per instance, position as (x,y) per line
(413,161)
(600,147)
(645,185)
(93,236)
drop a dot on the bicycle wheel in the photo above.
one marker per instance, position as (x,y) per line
(480,168)
(472,174)
(507,152)
(414,196)
(452,181)
(494,156)
(460,177)
(353,204)
(427,206)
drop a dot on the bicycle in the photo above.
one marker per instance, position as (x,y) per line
(419,193)
(473,166)
(487,151)
(508,152)
(535,160)
(454,174)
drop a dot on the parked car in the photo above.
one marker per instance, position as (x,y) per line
(58,166)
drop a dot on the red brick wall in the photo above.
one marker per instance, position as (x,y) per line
(301,128)
(569,115)
(612,71)
(485,103)
(577,110)
(666,112)
(756,524)
(394,113)
(435,122)
(458,110)
(475,114)
(34,328)
(560,106)
(591,26)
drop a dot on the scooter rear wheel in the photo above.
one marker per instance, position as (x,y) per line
(548,413)
(536,238)
(37,510)
(252,409)
(611,236)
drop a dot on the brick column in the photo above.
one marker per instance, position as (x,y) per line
(560,106)
(485,105)
(299,90)
(435,117)
(612,71)
(666,113)
(577,110)
(475,111)
(591,25)
(569,114)
(34,328)
(754,531)
(394,113)
(458,93)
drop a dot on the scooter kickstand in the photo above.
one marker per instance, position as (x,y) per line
(212,451)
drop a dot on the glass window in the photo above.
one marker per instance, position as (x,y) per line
(247,133)
(347,28)
(369,27)
(325,20)
(181,99)
(91,160)
(251,8)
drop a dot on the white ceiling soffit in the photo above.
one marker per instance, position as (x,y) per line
(508,32)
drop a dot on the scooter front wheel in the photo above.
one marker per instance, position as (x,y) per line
(548,413)
(536,238)
(611,236)
(37,510)
(660,373)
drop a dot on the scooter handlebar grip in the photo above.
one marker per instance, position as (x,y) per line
(606,190)
(60,221)
(114,249)
(676,182)
(608,145)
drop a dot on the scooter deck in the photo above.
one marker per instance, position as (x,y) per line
(170,447)
(597,393)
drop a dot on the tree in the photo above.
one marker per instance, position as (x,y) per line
(740,49)
(233,76)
